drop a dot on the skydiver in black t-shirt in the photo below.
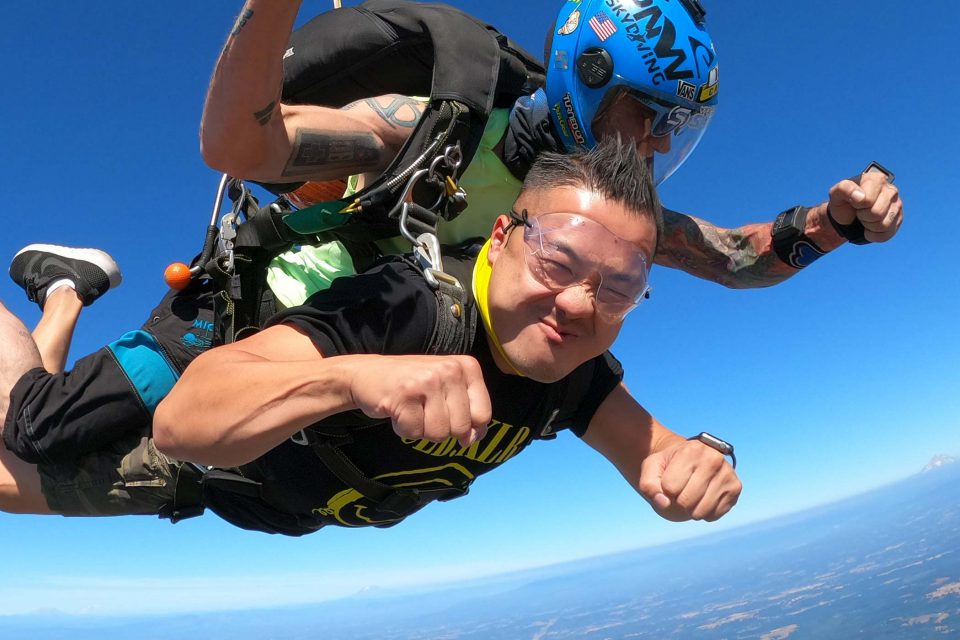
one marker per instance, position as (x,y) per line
(551,287)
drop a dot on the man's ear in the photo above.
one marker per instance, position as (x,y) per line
(498,238)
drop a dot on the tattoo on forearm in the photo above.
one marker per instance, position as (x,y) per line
(264,115)
(241,22)
(352,152)
(400,112)
(739,258)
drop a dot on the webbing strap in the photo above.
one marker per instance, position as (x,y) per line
(190,483)
(399,501)
(453,334)
(188,495)
(456,319)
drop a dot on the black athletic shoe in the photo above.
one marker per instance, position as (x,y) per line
(37,266)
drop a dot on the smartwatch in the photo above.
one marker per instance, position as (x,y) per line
(790,241)
(714,442)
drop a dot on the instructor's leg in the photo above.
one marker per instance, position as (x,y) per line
(20,485)
(19,481)
(18,354)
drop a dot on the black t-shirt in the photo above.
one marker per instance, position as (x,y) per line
(390,310)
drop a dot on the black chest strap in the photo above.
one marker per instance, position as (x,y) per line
(453,334)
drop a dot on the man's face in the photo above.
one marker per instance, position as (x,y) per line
(547,332)
(632,119)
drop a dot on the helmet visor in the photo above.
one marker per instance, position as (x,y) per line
(665,132)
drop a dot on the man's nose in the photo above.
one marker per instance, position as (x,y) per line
(654,144)
(577,301)
(660,144)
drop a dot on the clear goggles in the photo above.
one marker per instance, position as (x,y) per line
(674,129)
(566,250)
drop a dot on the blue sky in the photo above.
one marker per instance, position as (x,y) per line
(842,379)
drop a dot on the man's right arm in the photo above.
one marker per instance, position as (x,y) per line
(236,402)
(248,133)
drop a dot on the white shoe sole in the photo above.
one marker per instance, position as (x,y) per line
(94,256)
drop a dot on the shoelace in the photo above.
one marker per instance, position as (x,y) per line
(33,290)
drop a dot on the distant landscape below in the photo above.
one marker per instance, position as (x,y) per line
(880,565)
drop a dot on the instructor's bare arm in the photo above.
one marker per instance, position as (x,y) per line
(744,257)
(247,133)
(740,258)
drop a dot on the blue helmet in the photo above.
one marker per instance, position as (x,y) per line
(657,52)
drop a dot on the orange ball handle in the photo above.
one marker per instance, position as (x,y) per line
(177,276)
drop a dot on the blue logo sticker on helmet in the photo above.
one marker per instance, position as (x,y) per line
(656,51)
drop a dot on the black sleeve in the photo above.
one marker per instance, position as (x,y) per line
(387,310)
(598,377)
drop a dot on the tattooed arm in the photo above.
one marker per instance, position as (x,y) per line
(741,258)
(246,132)
(736,258)
(744,258)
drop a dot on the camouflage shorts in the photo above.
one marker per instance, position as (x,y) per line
(130,477)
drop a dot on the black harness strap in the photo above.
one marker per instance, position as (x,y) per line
(399,501)
(453,334)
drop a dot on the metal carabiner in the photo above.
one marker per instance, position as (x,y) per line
(426,252)
(228,232)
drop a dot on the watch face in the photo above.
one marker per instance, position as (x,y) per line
(785,226)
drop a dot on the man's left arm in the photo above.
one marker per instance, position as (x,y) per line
(746,257)
(681,479)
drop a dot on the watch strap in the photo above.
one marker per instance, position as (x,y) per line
(790,241)
(853,232)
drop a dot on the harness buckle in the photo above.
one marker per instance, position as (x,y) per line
(426,252)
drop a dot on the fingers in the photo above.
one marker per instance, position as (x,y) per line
(436,398)
(651,485)
(875,202)
(883,220)
(845,196)
(481,409)
(699,484)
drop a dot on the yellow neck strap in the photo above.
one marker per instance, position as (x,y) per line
(482,271)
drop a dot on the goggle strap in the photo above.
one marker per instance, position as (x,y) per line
(517,219)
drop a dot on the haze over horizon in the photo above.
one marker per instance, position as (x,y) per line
(867,565)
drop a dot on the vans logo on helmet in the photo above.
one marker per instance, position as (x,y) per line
(686,90)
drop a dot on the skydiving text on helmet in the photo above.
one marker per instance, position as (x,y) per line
(664,48)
